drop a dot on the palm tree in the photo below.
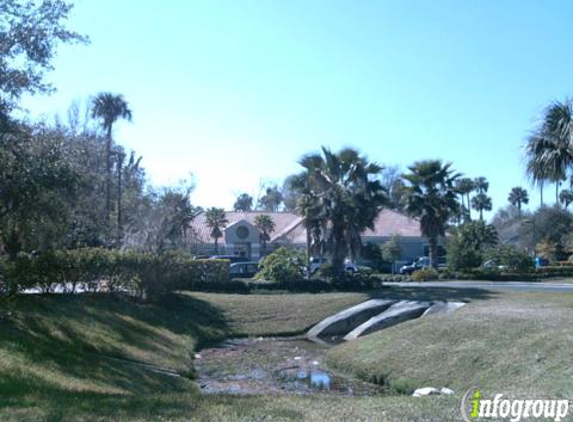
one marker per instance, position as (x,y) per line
(566,197)
(481,202)
(344,198)
(549,149)
(266,226)
(431,197)
(517,197)
(108,108)
(309,206)
(465,186)
(481,184)
(216,220)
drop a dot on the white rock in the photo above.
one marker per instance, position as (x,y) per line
(446,391)
(426,391)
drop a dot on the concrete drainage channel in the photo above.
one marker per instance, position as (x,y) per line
(374,315)
(295,365)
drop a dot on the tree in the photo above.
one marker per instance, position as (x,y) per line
(108,108)
(481,185)
(517,197)
(164,223)
(39,185)
(290,195)
(266,226)
(465,186)
(550,223)
(546,249)
(511,226)
(566,197)
(244,202)
(272,200)
(548,150)
(481,202)
(392,251)
(391,179)
(216,221)
(431,197)
(467,246)
(344,196)
(30,32)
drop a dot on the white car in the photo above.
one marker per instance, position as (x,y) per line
(316,263)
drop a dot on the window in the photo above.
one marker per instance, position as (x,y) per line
(242,232)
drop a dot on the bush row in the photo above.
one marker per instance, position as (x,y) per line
(352,283)
(96,269)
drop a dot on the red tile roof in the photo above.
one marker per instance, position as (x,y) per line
(284,221)
(289,227)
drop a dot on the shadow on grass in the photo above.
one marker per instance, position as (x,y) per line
(49,333)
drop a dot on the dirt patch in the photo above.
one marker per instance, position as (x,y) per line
(273,365)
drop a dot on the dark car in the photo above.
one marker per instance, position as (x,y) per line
(243,269)
(420,263)
(231,258)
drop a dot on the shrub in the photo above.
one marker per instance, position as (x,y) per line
(94,269)
(459,256)
(466,248)
(425,274)
(555,271)
(512,258)
(283,266)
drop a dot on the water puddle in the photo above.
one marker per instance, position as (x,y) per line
(273,365)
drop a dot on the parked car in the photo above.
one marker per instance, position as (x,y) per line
(420,263)
(316,263)
(231,258)
(492,264)
(243,269)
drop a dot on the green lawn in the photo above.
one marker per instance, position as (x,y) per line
(59,355)
(514,343)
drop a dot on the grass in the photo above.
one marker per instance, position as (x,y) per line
(60,352)
(283,314)
(55,350)
(515,343)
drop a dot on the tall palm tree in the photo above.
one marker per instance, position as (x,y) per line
(549,149)
(266,226)
(465,186)
(517,197)
(308,205)
(108,108)
(481,185)
(343,192)
(566,197)
(431,197)
(216,220)
(481,202)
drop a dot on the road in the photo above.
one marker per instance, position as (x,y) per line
(492,285)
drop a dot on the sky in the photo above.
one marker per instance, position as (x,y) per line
(234,92)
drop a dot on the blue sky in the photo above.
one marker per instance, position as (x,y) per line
(235,91)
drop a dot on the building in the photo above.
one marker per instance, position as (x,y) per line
(241,236)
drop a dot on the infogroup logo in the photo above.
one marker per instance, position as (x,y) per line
(476,407)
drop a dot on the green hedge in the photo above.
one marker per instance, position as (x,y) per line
(95,269)
(555,271)
(353,283)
